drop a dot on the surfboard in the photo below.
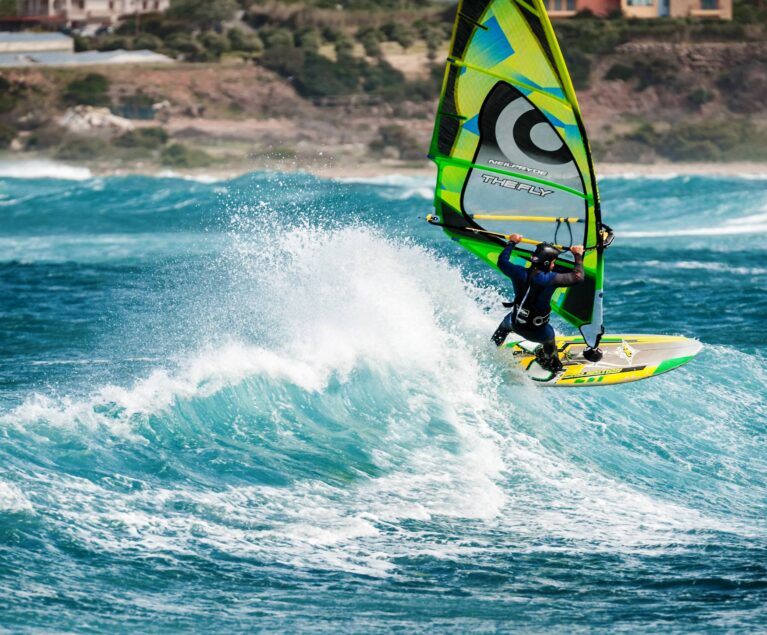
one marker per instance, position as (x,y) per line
(626,358)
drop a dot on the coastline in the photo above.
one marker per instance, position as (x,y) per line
(43,167)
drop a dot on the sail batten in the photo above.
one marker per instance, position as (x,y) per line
(509,136)
(512,81)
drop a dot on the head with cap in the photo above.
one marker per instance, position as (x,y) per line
(544,256)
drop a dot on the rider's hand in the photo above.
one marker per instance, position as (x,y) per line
(577,250)
(514,238)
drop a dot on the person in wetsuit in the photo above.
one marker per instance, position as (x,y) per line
(533,288)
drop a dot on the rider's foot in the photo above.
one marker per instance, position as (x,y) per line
(551,364)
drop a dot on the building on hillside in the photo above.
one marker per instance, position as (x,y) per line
(36,43)
(568,8)
(721,9)
(80,12)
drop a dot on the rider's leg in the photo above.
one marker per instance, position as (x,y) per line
(503,330)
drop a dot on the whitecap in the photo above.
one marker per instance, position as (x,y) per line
(43,170)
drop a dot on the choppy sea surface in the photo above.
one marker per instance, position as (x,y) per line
(270,404)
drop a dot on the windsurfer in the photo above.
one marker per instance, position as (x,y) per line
(533,288)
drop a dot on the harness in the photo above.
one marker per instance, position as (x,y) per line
(530,317)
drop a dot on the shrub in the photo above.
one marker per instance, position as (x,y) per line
(705,141)
(204,14)
(322,78)
(91,90)
(81,43)
(45,137)
(383,79)
(148,138)
(138,100)
(743,87)
(587,36)
(620,72)
(148,41)
(331,34)
(178,155)
(344,49)
(114,42)
(718,31)
(372,43)
(80,149)
(397,137)
(288,61)
(188,46)
(214,43)
(239,40)
(404,36)
(579,65)
(650,70)
(7,135)
(310,40)
(434,38)
(278,38)
(698,98)
(8,97)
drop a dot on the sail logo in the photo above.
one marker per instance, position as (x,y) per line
(516,166)
(511,184)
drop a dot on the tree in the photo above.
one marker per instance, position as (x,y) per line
(433,39)
(205,14)
(371,41)
(240,40)
(310,39)
(215,44)
(91,90)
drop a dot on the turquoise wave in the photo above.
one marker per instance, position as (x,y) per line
(269,404)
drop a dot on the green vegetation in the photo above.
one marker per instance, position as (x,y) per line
(203,14)
(8,96)
(244,42)
(750,12)
(728,140)
(396,139)
(46,137)
(91,90)
(579,65)
(7,7)
(314,75)
(648,70)
(178,155)
(365,5)
(7,134)
(698,98)
(81,149)
(147,138)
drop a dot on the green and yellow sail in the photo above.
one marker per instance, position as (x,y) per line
(511,149)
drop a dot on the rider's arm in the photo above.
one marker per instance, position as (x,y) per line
(504,260)
(575,276)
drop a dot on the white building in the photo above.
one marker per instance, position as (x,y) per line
(89,11)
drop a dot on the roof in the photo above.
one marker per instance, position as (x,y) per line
(87,58)
(14,38)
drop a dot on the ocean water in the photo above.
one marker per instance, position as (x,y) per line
(270,405)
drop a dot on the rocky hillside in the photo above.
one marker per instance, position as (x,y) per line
(644,101)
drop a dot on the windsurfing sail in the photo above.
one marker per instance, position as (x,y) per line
(512,152)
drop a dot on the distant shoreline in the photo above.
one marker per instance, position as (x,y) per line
(40,167)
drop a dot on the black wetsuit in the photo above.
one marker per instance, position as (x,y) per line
(533,289)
